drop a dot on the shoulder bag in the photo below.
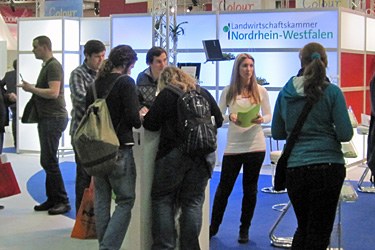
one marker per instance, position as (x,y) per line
(30,114)
(280,175)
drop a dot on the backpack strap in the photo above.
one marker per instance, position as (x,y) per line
(198,88)
(108,90)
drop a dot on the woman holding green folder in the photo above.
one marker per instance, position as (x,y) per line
(246,145)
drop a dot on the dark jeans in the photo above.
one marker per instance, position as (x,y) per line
(179,184)
(14,124)
(82,181)
(50,130)
(1,142)
(314,193)
(252,162)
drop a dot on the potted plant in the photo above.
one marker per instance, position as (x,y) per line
(175,30)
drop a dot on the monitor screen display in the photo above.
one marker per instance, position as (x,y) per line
(193,69)
(213,50)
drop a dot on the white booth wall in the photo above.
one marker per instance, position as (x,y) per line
(276,59)
(276,56)
(64,35)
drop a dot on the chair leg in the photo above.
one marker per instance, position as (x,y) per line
(271,190)
(284,242)
(370,189)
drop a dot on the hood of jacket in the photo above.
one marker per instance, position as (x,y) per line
(294,89)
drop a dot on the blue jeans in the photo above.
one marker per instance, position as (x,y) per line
(50,130)
(179,184)
(314,193)
(252,162)
(111,231)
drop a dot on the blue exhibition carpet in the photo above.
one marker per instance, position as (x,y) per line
(36,185)
(10,150)
(357,218)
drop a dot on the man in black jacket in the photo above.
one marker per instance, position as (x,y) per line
(9,81)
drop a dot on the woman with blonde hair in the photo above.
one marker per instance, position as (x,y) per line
(245,146)
(180,179)
(315,171)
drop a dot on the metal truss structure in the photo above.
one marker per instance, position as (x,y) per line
(164,15)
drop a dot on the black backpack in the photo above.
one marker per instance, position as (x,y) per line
(196,126)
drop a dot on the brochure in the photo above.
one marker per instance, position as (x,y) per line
(246,117)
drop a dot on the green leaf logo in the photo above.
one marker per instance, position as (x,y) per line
(226,29)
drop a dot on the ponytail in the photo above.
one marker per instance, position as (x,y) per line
(314,61)
(105,69)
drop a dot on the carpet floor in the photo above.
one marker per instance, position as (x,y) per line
(356,228)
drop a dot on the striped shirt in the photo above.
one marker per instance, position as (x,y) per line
(80,78)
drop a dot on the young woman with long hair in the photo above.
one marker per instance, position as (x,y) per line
(180,180)
(315,170)
(245,146)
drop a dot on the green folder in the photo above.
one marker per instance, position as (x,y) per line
(246,117)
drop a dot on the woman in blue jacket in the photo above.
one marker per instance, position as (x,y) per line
(315,171)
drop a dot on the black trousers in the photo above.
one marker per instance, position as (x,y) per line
(251,162)
(314,192)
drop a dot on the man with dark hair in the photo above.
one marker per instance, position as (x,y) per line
(80,78)
(147,80)
(48,95)
(9,81)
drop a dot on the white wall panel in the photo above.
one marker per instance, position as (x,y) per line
(352,31)
(370,34)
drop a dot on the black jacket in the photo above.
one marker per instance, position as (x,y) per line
(163,115)
(122,103)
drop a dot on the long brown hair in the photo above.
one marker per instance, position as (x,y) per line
(175,76)
(121,55)
(314,61)
(236,87)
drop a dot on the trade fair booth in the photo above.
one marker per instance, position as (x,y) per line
(272,37)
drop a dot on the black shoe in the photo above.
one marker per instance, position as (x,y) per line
(60,208)
(244,236)
(45,206)
(213,231)
(1,207)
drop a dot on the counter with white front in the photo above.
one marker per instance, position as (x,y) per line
(138,236)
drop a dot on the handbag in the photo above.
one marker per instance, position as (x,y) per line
(8,182)
(30,114)
(280,175)
(85,226)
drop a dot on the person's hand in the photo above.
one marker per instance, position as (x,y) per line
(258,120)
(233,118)
(26,86)
(143,112)
(12,97)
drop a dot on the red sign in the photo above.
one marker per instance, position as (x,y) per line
(11,17)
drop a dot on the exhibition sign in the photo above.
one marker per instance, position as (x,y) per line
(60,8)
(236,5)
(322,3)
(278,30)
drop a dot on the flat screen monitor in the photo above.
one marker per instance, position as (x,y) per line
(213,51)
(193,69)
